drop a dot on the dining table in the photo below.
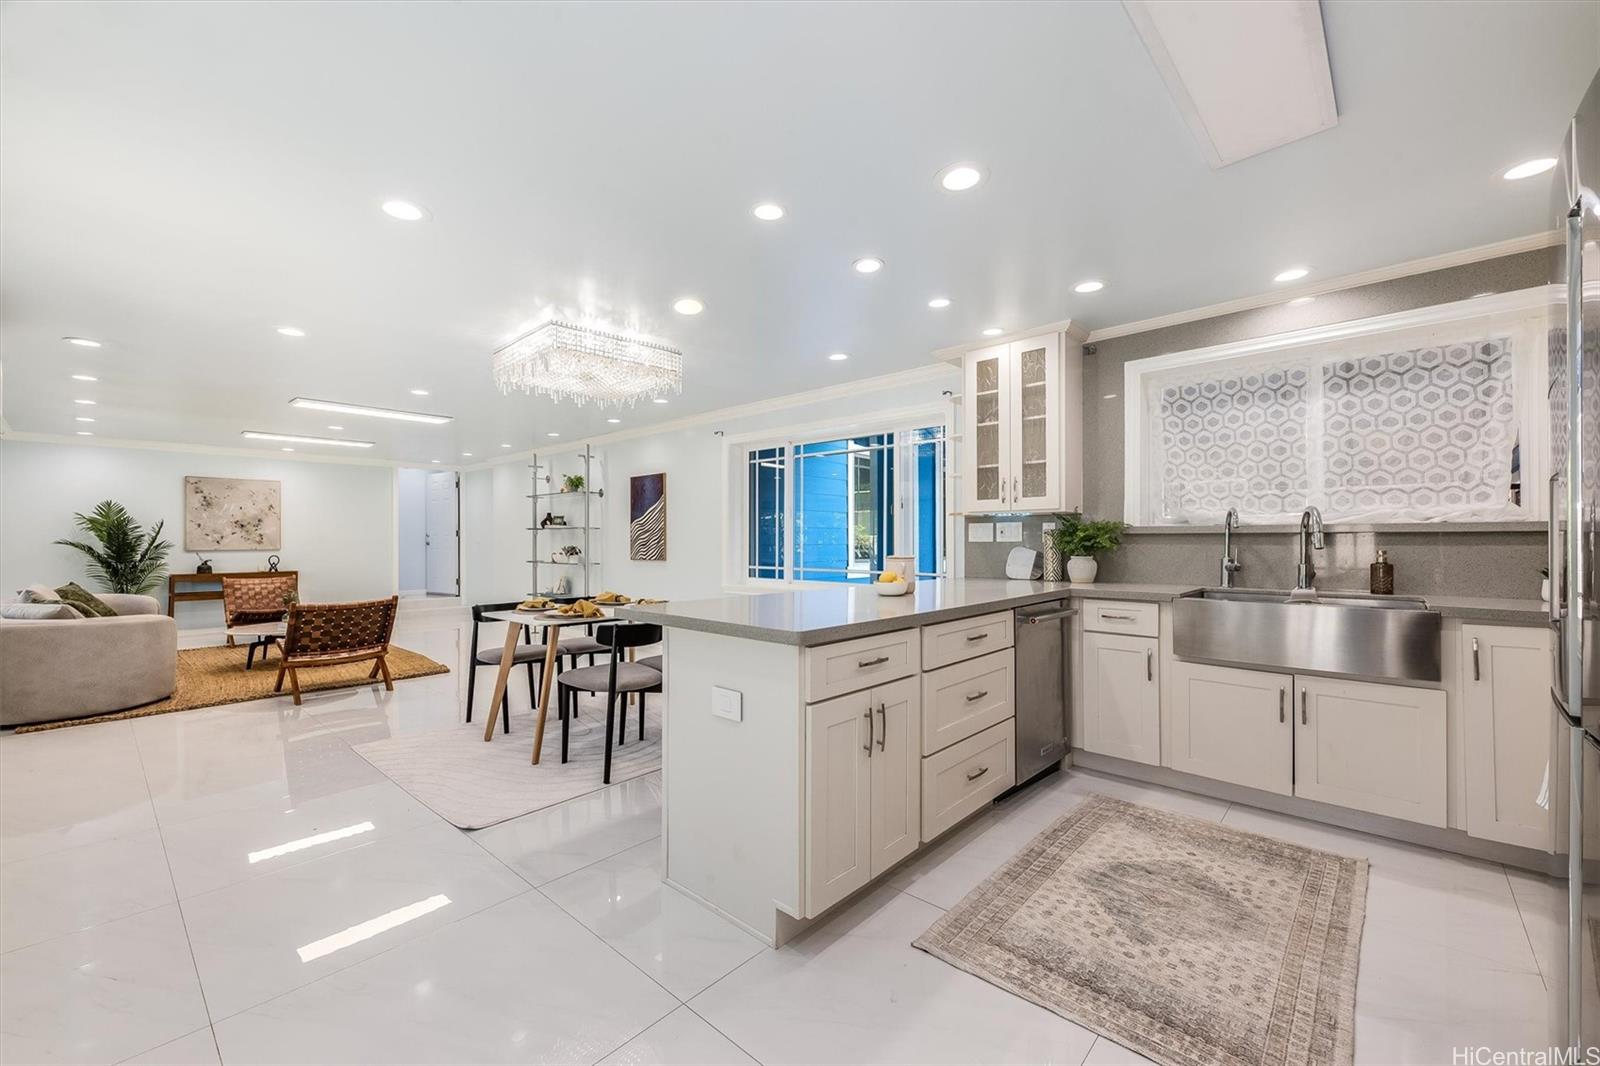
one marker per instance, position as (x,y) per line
(553,624)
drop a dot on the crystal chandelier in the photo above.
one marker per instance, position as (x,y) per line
(587,365)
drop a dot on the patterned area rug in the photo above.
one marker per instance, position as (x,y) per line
(1178,938)
(210,677)
(473,785)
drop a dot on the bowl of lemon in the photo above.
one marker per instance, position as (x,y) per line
(890,583)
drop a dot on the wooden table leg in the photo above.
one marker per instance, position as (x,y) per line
(552,638)
(507,654)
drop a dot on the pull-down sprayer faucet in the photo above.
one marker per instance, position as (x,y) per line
(1310,537)
(1230,558)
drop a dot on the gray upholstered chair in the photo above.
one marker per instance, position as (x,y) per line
(615,678)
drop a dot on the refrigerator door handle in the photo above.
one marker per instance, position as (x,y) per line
(1552,542)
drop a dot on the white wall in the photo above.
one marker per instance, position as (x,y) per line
(412,487)
(338,519)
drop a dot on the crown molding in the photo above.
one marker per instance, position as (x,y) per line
(1427,265)
(1071,327)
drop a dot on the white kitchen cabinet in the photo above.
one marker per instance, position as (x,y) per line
(863,788)
(1377,748)
(1122,697)
(1232,725)
(1022,426)
(1507,719)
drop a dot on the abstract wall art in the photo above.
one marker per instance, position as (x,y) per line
(232,514)
(647,517)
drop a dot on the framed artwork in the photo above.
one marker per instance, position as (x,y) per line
(232,514)
(647,517)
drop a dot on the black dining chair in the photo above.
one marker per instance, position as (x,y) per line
(617,677)
(528,653)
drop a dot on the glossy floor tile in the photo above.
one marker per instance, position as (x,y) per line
(235,884)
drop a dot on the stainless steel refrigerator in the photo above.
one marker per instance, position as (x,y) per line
(1574,362)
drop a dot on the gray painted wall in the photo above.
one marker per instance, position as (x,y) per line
(1472,561)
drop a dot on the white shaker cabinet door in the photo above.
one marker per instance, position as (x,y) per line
(1507,719)
(1122,697)
(1232,725)
(838,799)
(1036,453)
(1377,748)
(986,430)
(895,769)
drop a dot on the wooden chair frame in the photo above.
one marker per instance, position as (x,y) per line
(333,634)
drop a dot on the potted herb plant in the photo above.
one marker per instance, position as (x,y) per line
(1081,540)
(572,483)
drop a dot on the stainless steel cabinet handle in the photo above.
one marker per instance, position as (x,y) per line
(1477,673)
(867,747)
(977,774)
(1280,703)
(863,664)
(1118,617)
(883,722)
(977,636)
(1302,706)
(976,696)
(1149,665)
(1016,493)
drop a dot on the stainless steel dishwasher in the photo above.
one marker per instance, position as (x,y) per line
(1043,686)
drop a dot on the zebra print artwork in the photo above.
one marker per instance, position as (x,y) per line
(647,517)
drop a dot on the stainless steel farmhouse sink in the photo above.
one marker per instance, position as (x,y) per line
(1387,637)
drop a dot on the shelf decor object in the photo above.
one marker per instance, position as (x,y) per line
(588,365)
(567,483)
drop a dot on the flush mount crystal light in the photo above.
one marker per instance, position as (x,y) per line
(1529,169)
(296,438)
(960,177)
(868,264)
(337,408)
(588,364)
(1292,274)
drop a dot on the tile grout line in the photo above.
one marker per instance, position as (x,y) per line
(1522,919)
(690,1008)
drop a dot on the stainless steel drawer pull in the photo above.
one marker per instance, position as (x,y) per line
(977,774)
(1119,617)
(976,696)
(865,663)
(867,747)
(1477,674)
(1149,665)
(977,636)
(1280,703)
(1302,706)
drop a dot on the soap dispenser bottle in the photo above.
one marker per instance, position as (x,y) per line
(1382,575)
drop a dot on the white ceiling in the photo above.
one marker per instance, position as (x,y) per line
(181,179)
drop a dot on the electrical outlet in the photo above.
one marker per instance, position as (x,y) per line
(980,532)
(1008,532)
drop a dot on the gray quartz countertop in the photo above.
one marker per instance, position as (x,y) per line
(811,616)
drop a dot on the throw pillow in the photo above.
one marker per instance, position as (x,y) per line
(84,600)
(38,612)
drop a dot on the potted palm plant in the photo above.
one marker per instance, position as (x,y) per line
(127,558)
(1081,540)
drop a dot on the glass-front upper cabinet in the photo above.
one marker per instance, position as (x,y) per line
(1022,426)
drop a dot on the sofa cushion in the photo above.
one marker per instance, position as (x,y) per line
(38,612)
(86,601)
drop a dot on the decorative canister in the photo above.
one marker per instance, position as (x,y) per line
(1052,565)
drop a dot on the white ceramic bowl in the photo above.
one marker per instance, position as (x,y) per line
(892,588)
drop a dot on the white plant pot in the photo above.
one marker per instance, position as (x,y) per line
(1081,569)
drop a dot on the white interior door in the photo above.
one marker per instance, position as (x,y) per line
(443,535)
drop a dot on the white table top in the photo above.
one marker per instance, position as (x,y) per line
(540,618)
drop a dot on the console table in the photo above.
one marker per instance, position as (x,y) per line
(174,597)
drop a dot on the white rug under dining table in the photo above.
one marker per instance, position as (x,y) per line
(472,784)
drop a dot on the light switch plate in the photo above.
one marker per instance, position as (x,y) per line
(727,703)
(980,532)
(1007,532)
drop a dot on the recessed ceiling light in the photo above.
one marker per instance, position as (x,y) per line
(868,264)
(614,421)
(1301,301)
(839,357)
(938,302)
(291,331)
(419,392)
(767,212)
(84,433)
(296,438)
(505,445)
(370,412)
(1092,285)
(84,377)
(993,331)
(688,306)
(1292,274)
(433,460)
(85,403)
(960,177)
(1529,169)
(82,342)
(82,418)
(658,399)
(404,210)
(288,449)
(336,429)
(466,455)
(552,433)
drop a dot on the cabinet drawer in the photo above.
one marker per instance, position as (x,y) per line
(1117,616)
(851,665)
(952,642)
(966,698)
(967,776)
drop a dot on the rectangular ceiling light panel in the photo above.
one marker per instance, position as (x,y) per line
(368,412)
(1247,76)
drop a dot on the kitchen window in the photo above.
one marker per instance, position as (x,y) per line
(835,509)
(1436,415)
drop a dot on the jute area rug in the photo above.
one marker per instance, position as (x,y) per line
(1180,939)
(210,677)
(472,784)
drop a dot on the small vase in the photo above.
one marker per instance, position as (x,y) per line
(1052,565)
(1081,569)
